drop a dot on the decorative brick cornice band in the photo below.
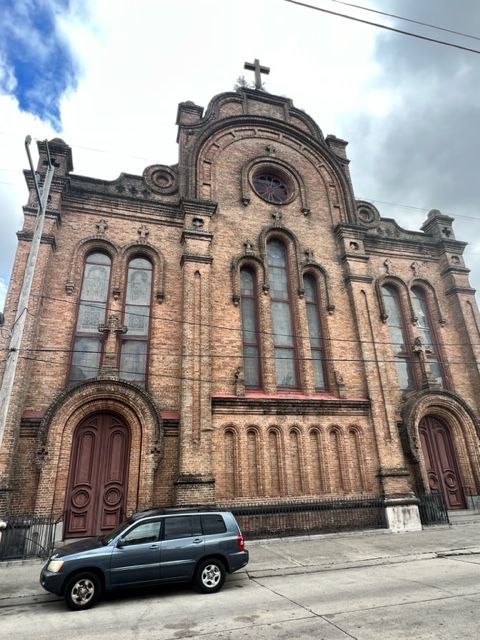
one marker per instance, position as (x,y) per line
(27,236)
(198,207)
(468,290)
(358,278)
(188,257)
(289,406)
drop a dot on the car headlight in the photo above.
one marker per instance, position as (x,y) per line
(55,565)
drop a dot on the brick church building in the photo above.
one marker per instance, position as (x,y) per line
(237,329)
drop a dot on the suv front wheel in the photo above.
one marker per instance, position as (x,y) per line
(210,575)
(82,591)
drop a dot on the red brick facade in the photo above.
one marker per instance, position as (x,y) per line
(198,434)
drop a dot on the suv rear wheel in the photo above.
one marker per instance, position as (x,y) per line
(82,591)
(210,575)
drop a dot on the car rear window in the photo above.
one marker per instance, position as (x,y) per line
(213,523)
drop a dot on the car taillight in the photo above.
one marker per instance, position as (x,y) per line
(240,543)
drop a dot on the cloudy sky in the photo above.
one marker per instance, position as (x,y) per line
(107,75)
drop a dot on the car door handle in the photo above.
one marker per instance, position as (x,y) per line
(154,546)
(197,540)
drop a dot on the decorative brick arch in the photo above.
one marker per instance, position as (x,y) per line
(292,245)
(463,426)
(250,261)
(222,134)
(323,282)
(135,408)
(432,299)
(139,249)
(403,292)
(82,249)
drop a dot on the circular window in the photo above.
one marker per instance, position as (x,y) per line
(272,186)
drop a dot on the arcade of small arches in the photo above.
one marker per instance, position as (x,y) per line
(281,462)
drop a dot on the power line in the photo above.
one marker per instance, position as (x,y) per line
(239,329)
(240,355)
(393,15)
(383,26)
(172,376)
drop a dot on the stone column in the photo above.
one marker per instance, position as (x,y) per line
(195,484)
(401,505)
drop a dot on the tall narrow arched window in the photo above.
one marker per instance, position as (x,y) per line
(92,309)
(251,352)
(314,331)
(424,329)
(134,347)
(398,336)
(282,321)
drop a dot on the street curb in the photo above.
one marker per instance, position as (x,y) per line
(16,601)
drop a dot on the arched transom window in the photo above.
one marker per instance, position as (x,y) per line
(314,330)
(251,354)
(426,333)
(134,346)
(282,321)
(87,348)
(398,336)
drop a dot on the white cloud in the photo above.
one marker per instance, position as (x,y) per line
(137,65)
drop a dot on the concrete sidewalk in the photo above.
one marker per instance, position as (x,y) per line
(285,556)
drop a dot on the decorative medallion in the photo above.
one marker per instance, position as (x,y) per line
(367,214)
(161,179)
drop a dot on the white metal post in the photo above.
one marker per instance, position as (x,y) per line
(20,317)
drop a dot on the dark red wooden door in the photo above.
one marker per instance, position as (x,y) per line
(95,500)
(441,462)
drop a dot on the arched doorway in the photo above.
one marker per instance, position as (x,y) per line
(97,483)
(441,461)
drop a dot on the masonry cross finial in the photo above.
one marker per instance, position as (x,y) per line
(257,67)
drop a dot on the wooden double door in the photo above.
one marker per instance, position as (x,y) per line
(441,461)
(97,485)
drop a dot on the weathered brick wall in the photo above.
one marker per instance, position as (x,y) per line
(193,235)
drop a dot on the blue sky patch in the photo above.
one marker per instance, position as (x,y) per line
(38,65)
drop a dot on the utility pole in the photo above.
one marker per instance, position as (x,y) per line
(20,317)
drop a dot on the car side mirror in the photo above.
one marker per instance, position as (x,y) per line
(120,543)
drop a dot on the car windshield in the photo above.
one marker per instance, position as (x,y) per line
(108,537)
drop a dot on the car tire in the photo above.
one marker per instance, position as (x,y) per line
(210,575)
(83,591)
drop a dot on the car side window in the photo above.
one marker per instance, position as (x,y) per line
(179,527)
(145,532)
(213,523)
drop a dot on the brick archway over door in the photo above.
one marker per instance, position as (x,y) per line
(97,484)
(441,461)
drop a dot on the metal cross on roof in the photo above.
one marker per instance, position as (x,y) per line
(257,67)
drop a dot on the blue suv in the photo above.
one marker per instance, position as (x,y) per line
(150,548)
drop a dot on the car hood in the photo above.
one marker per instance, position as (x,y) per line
(79,545)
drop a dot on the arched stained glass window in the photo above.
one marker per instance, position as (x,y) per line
(282,321)
(251,352)
(398,337)
(87,346)
(314,330)
(426,333)
(134,347)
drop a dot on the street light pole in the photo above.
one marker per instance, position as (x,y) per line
(20,317)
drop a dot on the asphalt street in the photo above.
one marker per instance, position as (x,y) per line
(362,585)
